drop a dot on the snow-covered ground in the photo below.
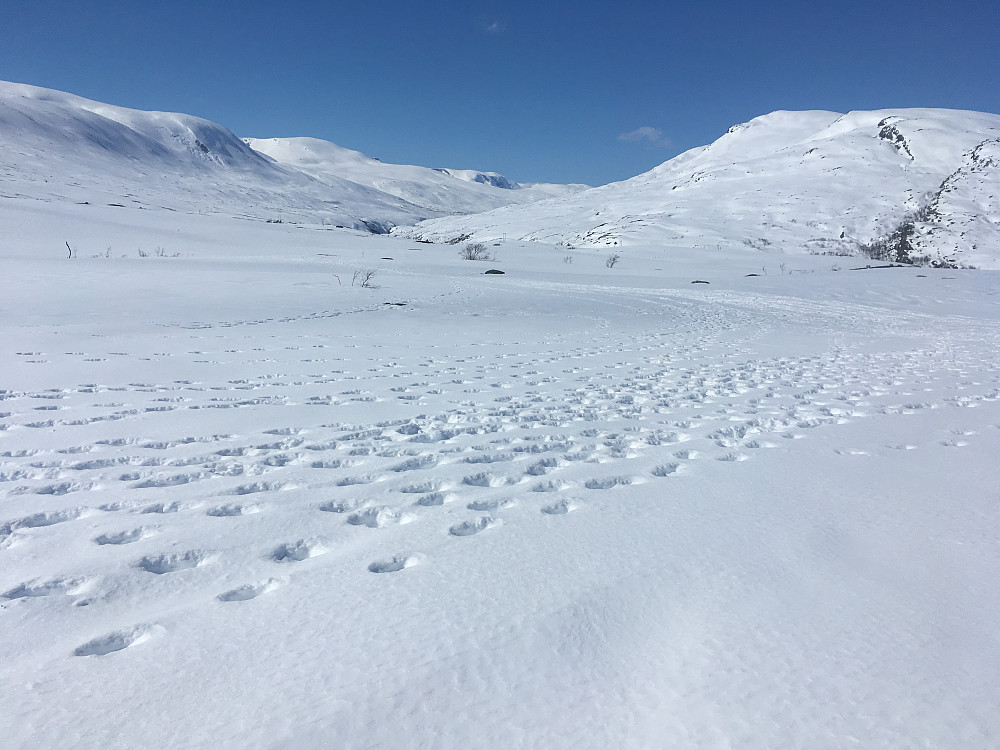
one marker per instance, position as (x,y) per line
(245,504)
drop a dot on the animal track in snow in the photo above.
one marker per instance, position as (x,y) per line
(71,586)
(606,483)
(469,528)
(172,507)
(174,561)
(376,518)
(542,466)
(419,462)
(249,591)
(351,481)
(560,508)
(485,479)
(420,488)
(434,498)
(492,504)
(489,458)
(63,488)
(284,431)
(552,485)
(47,518)
(124,537)
(732,456)
(393,564)
(341,506)
(172,481)
(330,463)
(233,509)
(255,487)
(116,641)
(297,551)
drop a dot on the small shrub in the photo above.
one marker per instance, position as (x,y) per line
(365,278)
(476,251)
(612,260)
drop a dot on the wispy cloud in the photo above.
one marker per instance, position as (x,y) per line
(646,134)
(494,27)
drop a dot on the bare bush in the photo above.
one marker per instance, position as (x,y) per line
(365,278)
(612,260)
(476,251)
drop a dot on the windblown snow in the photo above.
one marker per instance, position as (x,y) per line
(288,486)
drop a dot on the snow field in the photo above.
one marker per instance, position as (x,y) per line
(245,504)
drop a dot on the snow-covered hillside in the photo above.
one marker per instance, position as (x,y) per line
(56,146)
(816,182)
(435,191)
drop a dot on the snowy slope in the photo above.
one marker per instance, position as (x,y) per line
(245,504)
(437,191)
(56,146)
(818,182)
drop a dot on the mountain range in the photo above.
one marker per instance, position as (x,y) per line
(57,146)
(910,185)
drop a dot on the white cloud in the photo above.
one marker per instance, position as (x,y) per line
(646,134)
(496,27)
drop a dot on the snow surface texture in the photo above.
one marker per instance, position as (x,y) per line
(60,147)
(796,182)
(245,504)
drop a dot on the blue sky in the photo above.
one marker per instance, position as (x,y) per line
(540,91)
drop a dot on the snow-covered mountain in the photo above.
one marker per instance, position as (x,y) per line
(435,191)
(57,146)
(925,182)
